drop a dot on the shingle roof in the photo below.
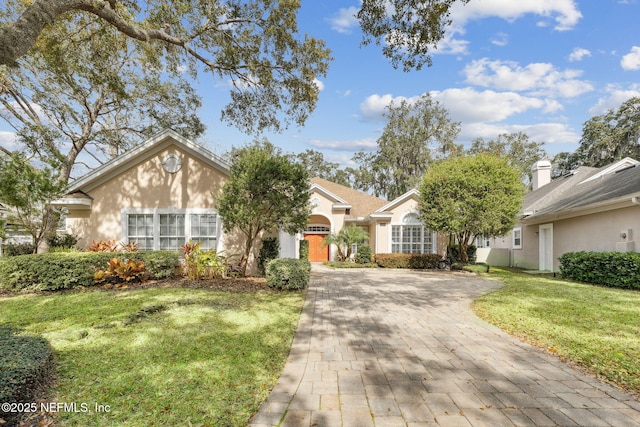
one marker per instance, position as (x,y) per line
(362,204)
(571,193)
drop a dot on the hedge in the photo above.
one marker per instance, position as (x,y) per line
(67,270)
(413,261)
(613,269)
(26,363)
(269,250)
(288,273)
(304,249)
(364,254)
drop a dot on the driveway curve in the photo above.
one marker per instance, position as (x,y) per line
(393,348)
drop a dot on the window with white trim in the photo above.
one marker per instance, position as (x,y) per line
(411,237)
(203,230)
(517,238)
(168,229)
(140,230)
(482,241)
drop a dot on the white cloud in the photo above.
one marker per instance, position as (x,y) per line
(8,140)
(500,39)
(616,96)
(564,12)
(344,20)
(538,78)
(631,61)
(579,54)
(319,84)
(470,106)
(347,145)
(550,133)
(467,105)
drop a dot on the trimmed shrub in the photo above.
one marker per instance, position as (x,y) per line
(413,261)
(454,253)
(161,264)
(26,362)
(288,273)
(304,249)
(16,249)
(270,250)
(613,269)
(65,241)
(67,270)
(364,254)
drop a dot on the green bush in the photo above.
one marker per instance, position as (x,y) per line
(26,363)
(67,270)
(288,273)
(16,249)
(270,250)
(413,261)
(161,264)
(62,241)
(364,254)
(454,253)
(613,269)
(304,249)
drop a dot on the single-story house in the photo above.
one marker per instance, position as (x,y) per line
(163,193)
(590,209)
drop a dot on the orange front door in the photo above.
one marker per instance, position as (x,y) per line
(318,252)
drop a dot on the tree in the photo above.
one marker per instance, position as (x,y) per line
(316,165)
(345,239)
(471,196)
(25,191)
(82,96)
(516,147)
(265,192)
(253,44)
(564,163)
(407,29)
(415,134)
(611,136)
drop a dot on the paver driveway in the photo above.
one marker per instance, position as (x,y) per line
(401,348)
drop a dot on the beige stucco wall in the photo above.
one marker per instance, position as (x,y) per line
(146,185)
(599,232)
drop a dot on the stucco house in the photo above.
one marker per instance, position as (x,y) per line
(163,193)
(590,209)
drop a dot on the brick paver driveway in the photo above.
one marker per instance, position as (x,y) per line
(400,348)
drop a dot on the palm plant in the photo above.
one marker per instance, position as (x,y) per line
(345,239)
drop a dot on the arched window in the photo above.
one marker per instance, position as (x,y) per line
(411,237)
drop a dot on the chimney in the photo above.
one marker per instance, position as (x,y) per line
(541,174)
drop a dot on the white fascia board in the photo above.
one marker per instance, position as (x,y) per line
(72,203)
(148,148)
(398,200)
(342,206)
(327,193)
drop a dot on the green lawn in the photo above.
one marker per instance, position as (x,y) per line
(597,327)
(158,357)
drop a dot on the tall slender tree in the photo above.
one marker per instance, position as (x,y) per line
(415,134)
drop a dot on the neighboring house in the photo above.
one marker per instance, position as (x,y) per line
(163,193)
(590,209)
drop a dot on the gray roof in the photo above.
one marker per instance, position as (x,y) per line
(576,192)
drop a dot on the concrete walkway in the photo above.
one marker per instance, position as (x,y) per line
(400,348)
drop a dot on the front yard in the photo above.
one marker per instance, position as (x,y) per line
(597,327)
(161,356)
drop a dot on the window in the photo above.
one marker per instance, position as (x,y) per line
(203,230)
(172,232)
(411,237)
(482,241)
(140,230)
(517,238)
(168,229)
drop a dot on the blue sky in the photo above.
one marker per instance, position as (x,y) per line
(542,67)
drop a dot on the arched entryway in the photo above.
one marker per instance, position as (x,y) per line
(317,229)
